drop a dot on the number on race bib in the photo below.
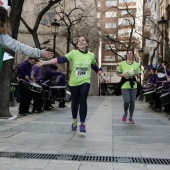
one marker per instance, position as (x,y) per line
(81,73)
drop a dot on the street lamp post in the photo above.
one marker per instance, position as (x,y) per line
(111,77)
(162,27)
(54,30)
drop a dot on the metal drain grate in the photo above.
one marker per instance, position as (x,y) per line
(24,155)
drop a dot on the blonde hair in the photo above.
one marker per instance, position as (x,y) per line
(4,21)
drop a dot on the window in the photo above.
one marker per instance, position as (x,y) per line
(121,53)
(109,58)
(110,25)
(98,15)
(148,20)
(125,12)
(155,6)
(120,58)
(111,3)
(111,68)
(112,35)
(98,4)
(125,21)
(127,1)
(124,32)
(110,14)
(108,47)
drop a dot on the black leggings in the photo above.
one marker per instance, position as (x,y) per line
(79,101)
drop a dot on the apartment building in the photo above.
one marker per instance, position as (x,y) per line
(118,22)
(164,11)
(150,31)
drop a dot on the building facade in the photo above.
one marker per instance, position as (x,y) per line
(31,10)
(119,23)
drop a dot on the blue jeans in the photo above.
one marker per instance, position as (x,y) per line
(79,101)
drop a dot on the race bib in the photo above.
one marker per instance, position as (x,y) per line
(81,71)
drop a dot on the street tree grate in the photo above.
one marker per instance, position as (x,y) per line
(25,155)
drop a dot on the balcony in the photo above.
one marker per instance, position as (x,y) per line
(130,5)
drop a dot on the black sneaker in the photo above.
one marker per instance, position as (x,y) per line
(22,113)
(61,106)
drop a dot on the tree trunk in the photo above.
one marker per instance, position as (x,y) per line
(5,74)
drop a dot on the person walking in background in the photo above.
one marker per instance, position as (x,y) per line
(79,82)
(62,82)
(127,70)
(6,42)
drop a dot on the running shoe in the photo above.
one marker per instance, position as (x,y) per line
(74,125)
(83,128)
(131,121)
(123,118)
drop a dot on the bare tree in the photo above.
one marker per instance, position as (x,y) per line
(125,22)
(33,31)
(153,40)
(15,16)
(5,74)
(73,17)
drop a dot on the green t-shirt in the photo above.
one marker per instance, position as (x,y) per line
(81,67)
(125,67)
(1,57)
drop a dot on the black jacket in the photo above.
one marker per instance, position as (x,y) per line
(132,81)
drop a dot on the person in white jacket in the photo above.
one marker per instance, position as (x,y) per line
(7,42)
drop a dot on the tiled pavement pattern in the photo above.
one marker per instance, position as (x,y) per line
(50,132)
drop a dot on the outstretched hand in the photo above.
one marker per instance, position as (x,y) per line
(48,54)
(64,72)
(135,72)
(40,63)
(126,75)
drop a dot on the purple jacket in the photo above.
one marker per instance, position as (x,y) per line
(61,81)
(49,74)
(24,69)
(36,72)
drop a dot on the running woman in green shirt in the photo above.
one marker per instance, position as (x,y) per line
(128,70)
(79,82)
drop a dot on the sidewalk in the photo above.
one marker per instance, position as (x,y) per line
(50,133)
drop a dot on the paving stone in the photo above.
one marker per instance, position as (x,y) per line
(50,132)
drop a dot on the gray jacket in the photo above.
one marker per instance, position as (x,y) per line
(8,42)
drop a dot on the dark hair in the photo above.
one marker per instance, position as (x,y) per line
(167,66)
(53,66)
(153,69)
(33,58)
(165,62)
(131,50)
(160,70)
(4,21)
